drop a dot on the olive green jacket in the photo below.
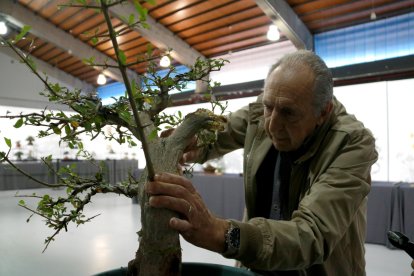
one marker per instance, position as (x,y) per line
(326,232)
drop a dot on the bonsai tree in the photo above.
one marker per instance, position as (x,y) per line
(135,116)
(30,139)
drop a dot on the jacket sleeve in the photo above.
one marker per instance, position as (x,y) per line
(324,214)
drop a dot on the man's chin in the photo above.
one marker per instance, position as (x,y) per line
(282,146)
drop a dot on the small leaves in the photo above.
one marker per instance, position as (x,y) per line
(153,135)
(8,142)
(31,63)
(94,40)
(141,11)
(122,57)
(131,19)
(22,203)
(22,33)
(151,2)
(89,61)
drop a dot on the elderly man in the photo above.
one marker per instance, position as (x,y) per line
(306,172)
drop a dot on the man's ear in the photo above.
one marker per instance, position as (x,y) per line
(325,113)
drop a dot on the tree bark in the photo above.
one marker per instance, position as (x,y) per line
(159,252)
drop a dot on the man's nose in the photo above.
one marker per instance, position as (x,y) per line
(275,122)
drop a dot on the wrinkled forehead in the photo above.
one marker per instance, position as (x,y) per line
(294,79)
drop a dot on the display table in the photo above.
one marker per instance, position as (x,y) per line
(380,211)
(390,207)
(406,209)
(223,194)
(10,179)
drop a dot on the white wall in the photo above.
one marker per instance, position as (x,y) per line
(386,108)
(20,87)
(252,64)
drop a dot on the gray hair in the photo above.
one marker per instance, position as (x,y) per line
(323,82)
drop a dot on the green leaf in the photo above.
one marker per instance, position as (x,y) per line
(22,33)
(125,115)
(19,123)
(150,49)
(151,2)
(67,129)
(31,63)
(141,11)
(89,61)
(8,142)
(145,25)
(94,40)
(122,57)
(131,19)
(56,130)
(22,203)
(153,135)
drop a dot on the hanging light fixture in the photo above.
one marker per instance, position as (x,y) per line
(165,61)
(273,33)
(373,15)
(101,79)
(3,28)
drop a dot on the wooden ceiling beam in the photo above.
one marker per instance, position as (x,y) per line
(19,16)
(160,36)
(288,22)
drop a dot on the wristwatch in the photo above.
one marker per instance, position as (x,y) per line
(232,239)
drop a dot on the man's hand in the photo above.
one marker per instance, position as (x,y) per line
(197,225)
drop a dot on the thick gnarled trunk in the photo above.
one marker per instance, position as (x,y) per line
(159,252)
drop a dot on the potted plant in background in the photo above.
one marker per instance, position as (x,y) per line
(135,116)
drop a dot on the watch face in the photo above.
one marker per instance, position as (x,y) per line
(234,237)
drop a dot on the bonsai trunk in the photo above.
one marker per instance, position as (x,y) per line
(159,252)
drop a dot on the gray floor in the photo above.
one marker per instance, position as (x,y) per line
(110,241)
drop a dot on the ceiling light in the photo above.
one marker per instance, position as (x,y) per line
(373,16)
(273,33)
(101,79)
(3,28)
(165,61)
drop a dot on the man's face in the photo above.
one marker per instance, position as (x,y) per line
(289,114)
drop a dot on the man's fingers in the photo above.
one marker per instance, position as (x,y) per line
(182,226)
(172,203)
(176,179)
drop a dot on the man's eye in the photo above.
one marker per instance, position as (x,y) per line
(288,112)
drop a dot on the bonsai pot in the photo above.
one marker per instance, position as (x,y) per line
(199,269)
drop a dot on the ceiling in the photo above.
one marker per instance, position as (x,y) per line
(61,36)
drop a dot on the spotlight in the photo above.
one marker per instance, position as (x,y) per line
(165,61)
(273,33)
(101,79)
(3,28)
